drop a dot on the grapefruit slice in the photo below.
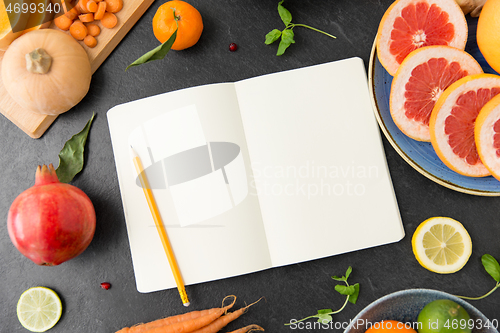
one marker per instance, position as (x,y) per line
(410,24)
(420,80)
(487,136)
(453,119)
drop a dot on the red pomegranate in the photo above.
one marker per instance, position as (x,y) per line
(51,222)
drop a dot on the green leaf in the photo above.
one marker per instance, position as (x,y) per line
(354,296)
(348,272)
(273,36)
(339,278)
(71,157)
(491,266)
(324,318)
(285,15)
(286,40)
(323,311)
(345,290)
(157,53)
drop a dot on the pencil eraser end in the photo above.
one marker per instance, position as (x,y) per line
(187,304)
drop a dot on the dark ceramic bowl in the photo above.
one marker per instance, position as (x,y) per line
(405,305)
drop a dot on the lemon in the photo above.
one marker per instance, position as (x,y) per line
(39,309)
(442,245)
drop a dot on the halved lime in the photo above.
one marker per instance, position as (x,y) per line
(39,309)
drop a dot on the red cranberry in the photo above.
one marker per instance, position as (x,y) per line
(105,285)
(233,47)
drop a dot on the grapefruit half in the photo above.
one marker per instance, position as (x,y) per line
(487,136)
(411,24)
(453,119)
(419,82)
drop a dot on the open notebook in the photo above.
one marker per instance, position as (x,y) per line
(264,172)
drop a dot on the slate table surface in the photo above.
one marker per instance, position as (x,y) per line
(290,292)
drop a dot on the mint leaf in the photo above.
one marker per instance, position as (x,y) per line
(348,272)
(286,40)
(354,296)
(157,53)
(324,318)
(339,278)
(491,266)
(285,15)
(273,36)
(345,290)
(71,157)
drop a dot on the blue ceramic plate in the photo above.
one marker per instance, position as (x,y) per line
(404,306)
(421,155)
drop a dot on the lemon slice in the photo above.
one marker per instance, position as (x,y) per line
(39,309)
(442,245)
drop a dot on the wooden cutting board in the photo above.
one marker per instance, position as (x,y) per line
(34,124)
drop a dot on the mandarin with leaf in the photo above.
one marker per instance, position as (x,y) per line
(178,15)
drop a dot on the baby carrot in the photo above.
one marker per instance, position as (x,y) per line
(101,10)
(248,328)
(93,29)
(90,41)
(78,30)
(177,319)
(222,321)
(114,6)
(109,20)
(63,22)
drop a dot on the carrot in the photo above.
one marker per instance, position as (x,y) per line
(78,30)
(114,6)
(248,328)
(101,10)
(188,326)
(63,22)
(72,13)
(89,17)
(189,316)
(92,6)
(109,20)
(222,321)
(90,41)
(93,29)
(82,6)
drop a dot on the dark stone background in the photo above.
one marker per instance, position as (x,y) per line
(293,291)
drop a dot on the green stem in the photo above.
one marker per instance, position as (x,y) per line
(306,26)
(328,313)
(481,297)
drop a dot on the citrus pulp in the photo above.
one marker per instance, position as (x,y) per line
(178,15)
(39,309)
(442,245)
(420,80)
(487,136)
(408,25)
(453,119)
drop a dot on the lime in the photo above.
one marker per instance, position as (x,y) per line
(39,309)
(442,245)
(443,316)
